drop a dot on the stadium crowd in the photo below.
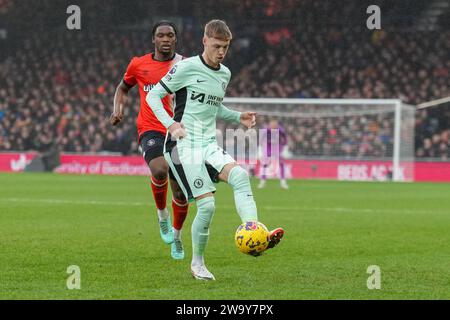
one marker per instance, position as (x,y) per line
(58,86)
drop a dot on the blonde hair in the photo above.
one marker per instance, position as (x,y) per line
(218,29)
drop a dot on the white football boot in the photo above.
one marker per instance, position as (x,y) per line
(201,273)
(283,184)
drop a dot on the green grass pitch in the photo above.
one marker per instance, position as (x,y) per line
(107,226)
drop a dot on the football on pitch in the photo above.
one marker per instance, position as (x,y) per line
(252,238)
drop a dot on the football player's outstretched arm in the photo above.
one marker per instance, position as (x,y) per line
(153,99)
(174,80)
(228,115)
(120,98)
(128,82)
(247,118)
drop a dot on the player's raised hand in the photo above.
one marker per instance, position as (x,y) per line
(115,118)
(248,119)
(177,130)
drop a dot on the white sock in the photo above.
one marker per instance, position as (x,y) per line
(163,214)
(177,234)
(197,260)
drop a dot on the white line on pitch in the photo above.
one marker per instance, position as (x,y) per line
(269,208)
(83,202)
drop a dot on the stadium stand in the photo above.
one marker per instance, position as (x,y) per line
(59,85)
